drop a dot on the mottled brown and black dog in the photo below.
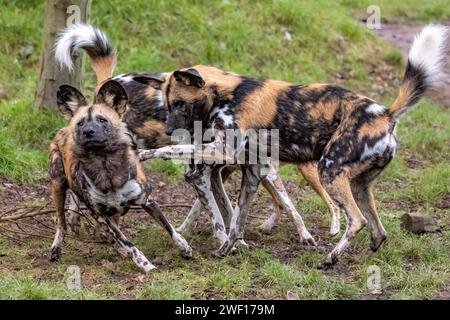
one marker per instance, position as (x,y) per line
(145,116)
(95,157)
(351,136)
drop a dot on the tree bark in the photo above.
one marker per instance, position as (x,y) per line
(58,15)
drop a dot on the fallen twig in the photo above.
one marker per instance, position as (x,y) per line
(26,233)
(28,214)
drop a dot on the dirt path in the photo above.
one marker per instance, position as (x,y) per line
(401,36)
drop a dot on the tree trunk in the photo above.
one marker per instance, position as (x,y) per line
(58,15)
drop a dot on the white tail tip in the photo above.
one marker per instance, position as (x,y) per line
(428,51)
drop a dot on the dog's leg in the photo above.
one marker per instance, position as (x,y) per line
(59,189)
(192,216)
(338,187)
(250,181)
(200,179)
(74,217)
(310,173)
(221,196)
(153,209)
(273,219)
(59,197)
(138,257)
(363,195)
(282,200)
(219,175)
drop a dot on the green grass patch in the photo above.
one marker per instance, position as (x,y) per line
(25,135)
(27,288)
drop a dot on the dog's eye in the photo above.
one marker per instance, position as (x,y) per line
(102,120)
(80,123)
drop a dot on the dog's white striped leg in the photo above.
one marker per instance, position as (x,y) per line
(250,182)
(138,257)
(219,174)
(200,179)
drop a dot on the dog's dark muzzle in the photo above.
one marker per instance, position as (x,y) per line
(91,136)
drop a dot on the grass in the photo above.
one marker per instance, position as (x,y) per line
(25,136)
(328,45)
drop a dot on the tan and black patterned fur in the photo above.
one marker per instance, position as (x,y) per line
(95,157)
(145,115)
(350,136)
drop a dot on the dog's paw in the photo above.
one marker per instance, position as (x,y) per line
(224,249)
(182,244)
(334,229)
(147,266)
(265,227)
(327,263)
(306,238)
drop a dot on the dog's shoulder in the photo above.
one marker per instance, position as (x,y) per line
(61,156)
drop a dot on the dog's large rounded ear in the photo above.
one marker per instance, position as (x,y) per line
(189,77)
(69,100)
(154,80)
(112,94)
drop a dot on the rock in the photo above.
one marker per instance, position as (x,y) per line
(292,295)
(419,223)
(26,52)
(288,36)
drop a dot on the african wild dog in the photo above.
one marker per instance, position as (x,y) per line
(351,136)
(96,158)
(145,116)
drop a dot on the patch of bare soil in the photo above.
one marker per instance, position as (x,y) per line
(401,36)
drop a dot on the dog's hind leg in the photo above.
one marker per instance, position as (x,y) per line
(338,187)
(284,204)
(138,257)
(311,175)
(153,209)
(273,219)
(362,189)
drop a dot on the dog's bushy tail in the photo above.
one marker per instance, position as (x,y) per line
(94,42)
(425,63)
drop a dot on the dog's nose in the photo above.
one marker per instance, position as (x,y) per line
(88,133)
(169,132)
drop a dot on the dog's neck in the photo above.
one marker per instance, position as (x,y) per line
(107,171)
